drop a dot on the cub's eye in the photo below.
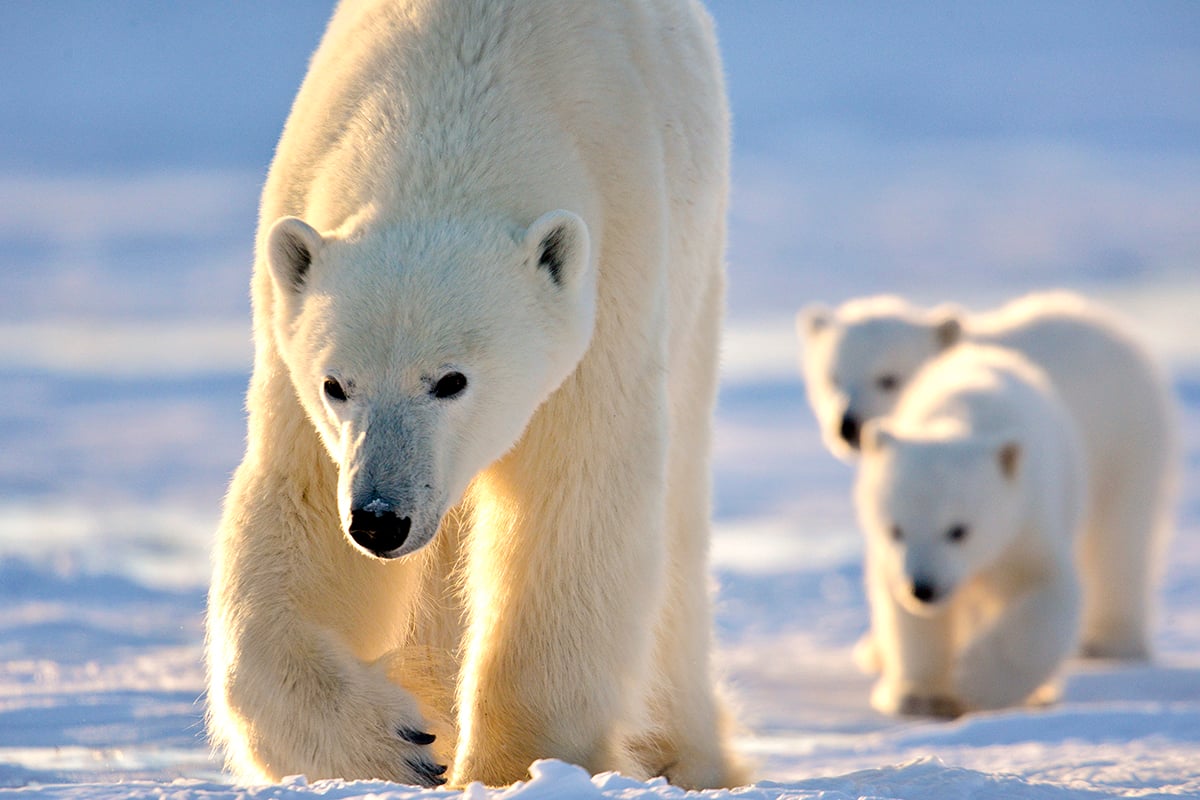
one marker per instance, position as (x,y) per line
(449,385)
(334,390)
(957,534)
(887,383)
(896,533)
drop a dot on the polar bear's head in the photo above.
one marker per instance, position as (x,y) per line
(858,357)
(421,352)
(936,511)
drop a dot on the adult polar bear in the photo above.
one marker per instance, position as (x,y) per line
(859,357)
(487,300)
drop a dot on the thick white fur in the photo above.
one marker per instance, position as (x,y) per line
(562,608)
(980,443)
(1117,394)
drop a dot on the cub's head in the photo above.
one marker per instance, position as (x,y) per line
(857,359)
(421,352)
(936,511)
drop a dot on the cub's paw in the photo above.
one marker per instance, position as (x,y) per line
(918,705)
(911,702)
(1115,648)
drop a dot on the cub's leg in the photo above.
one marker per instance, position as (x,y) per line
(1021,651)
(916,655)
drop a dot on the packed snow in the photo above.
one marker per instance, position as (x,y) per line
(939,150)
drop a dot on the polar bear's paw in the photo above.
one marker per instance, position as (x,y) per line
(374,732)
(1130,647)
(373,736)
(405,754)
(421,762)
(913,702)
(934,705)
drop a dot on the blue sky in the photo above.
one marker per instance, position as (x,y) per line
(139,84)
(934,149)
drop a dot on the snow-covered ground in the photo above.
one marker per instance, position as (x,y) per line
(940,150)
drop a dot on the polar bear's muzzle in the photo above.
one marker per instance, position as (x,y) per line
(923,595)
(379,528)
(387,500)
(850,430)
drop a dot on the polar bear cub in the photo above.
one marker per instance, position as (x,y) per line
(859,358)
(471,527)
(970,495)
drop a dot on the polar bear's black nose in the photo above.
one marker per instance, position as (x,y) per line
(850,429)
(924,591)
(378,531)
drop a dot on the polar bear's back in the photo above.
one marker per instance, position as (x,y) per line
(423,110)
(992,393)
(978,389)
(1103,374)
(518,102)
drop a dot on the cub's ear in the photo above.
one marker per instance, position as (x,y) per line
(875,436)
(558,243)
(1009,458)
(947,326)
(812,320)
(292,244)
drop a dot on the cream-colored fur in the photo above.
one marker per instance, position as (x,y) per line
(487,301)
(859,357)
(970,495)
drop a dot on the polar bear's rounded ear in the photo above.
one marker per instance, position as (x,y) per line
(875,436)
(292,244)
(558,243)
(1009,457)
(812,320)
(947,326)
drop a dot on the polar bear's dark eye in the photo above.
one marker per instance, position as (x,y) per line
(896,533)
(334,390)
(887,383)
(957,534)
(449,385)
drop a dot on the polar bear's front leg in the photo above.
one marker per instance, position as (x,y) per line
(1119,551)
(291,700)
(688,740)
(1008,662)
(290,632)
(916,655)
(565,582)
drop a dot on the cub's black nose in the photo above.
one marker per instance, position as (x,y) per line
(924,591)
(850,429)
(378,531)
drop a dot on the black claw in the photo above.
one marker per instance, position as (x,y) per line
(415,736)
(430,773)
